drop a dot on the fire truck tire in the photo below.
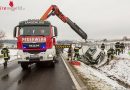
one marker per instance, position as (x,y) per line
(24,66)
(52,64)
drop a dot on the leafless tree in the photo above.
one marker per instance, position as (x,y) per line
(125,38)
(2,34)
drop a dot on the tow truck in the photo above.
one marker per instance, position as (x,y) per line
(36,38)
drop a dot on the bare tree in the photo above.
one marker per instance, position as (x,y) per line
(104,40)
(125,38)
(2,34)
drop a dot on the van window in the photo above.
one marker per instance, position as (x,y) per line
(91,51)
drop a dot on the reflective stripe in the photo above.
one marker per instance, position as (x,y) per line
(63,46)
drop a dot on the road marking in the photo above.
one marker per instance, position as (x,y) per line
(71,75)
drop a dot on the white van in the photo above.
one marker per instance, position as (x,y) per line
(91,55)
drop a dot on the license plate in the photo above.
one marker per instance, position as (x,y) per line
(34,45)
(34,56)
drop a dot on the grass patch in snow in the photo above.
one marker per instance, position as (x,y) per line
(129,53)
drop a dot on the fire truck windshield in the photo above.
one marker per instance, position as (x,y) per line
(35,30)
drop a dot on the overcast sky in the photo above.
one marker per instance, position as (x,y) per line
(98,18)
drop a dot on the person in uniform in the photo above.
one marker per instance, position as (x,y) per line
(110,53)
(76,51)
(103,46)
(70,53)
(122,47)
(6,55)
(117,48)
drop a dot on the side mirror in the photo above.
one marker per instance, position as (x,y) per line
(15,33)
(55,31)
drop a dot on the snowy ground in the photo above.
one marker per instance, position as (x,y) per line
(96,80)
(114,76)
(13,55)
(119,68)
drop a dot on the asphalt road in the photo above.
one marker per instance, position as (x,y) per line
(43,78)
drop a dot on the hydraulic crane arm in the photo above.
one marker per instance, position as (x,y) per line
(54,10)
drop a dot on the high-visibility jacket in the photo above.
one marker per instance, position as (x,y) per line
(117,45)
(5,53)
(103,46)
(122,46)
(76,50)
(111,51)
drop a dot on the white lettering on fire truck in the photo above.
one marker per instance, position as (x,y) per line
(33,39)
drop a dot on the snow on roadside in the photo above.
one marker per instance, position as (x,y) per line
(125,55)
(119,68)
(13,55)
(97,80)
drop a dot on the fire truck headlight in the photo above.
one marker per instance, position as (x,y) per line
(19,56)
(50,55)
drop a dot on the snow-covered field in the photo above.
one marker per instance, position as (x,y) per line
(119,68)
(13,55)
(95,80)
(114,76)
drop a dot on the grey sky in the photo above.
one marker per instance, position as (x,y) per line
(98,18)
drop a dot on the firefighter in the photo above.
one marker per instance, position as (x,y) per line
(76,51)
(103,46)
(70,53)
(6,56)
(57,51)
(110,53)
(117,48)
(122,47)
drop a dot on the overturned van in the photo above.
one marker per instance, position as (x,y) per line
(92,55)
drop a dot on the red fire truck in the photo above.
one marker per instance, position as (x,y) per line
(36,38)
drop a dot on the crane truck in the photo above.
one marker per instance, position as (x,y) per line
(36,38)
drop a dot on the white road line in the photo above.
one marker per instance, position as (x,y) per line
(71,75)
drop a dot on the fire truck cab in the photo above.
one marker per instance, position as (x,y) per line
(36,42)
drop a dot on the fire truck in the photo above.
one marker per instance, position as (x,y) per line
(36,38)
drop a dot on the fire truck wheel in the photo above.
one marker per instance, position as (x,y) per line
(24,66)
(52,64)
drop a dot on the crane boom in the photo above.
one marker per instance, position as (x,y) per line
(54,10)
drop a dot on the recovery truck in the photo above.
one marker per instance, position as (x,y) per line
(36,38)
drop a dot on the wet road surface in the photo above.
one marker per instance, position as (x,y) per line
(43,78)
